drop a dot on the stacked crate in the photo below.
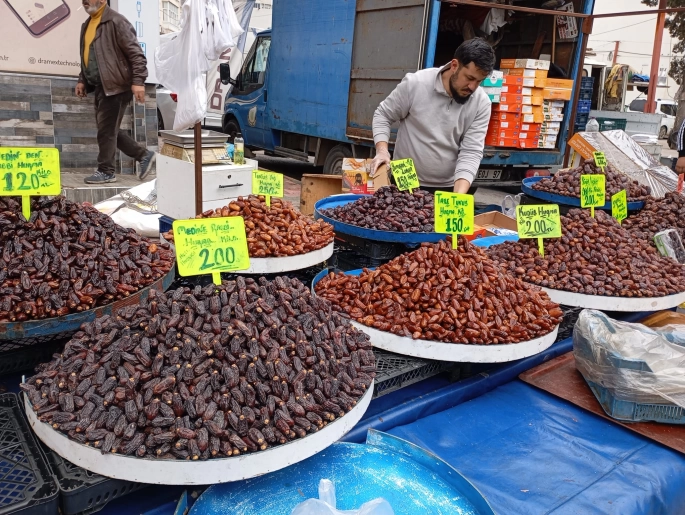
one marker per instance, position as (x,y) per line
(584,103)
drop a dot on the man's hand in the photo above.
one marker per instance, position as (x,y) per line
(81,90)
(138,93)
(461,186)
(382,158)
(680,165)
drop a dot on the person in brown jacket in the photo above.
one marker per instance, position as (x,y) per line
(114,68)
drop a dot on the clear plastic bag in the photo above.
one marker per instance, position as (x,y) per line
(325,504)
(634,362)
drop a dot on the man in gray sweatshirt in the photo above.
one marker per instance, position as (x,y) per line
(443,117)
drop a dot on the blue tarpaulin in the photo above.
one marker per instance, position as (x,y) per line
(529,452)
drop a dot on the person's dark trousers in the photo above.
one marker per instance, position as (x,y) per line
(109,111)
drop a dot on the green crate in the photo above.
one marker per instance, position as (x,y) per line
(612,124)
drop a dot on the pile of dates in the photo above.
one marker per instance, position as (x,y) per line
(440,294)
(276,231)
(567,183)
(595,256)
(389,209)
(68,258)
(658,215)
(206,373)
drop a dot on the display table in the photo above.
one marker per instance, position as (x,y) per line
(529,452)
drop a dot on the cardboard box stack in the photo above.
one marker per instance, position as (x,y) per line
(492,85)
(531,107)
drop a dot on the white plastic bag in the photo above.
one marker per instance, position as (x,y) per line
(325,504)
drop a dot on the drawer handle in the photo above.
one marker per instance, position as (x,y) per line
(221,186)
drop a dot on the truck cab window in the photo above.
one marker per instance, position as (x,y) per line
(254,71)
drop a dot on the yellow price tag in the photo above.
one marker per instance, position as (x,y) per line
(269,184)
(453,214)
(27,172)
(211,245)
(600,159)
(619,206)
(592,191)
(540,221)
(405,175)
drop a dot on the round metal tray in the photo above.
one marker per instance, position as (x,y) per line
(71,323)
(606,303)
(369,234)
(181,472)
(527,188)
(457,352)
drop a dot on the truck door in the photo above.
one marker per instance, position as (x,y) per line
(248,101)
(389,37)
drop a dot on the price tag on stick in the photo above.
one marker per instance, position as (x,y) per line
(619,206)
(404,173)
(211,246)
(269,184)
(600,160)
(540,221)
(453,214)
(28,172)
(592,191)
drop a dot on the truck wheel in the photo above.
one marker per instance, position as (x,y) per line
(231,128)
(334,160)
(160,121)
(663,132)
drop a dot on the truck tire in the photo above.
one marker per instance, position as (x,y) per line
(231,128)
(333,163)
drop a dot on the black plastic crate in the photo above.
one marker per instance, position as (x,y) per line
(394,371)
(587,82)
(585,94)
(165,223)
(82,492)
(26,483)
(27,358)
(370,248)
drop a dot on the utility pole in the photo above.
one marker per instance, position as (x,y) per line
(613,63)
(656,59)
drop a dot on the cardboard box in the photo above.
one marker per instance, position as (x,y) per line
(511,80)
(492,81)
(549,132)
(495,99)
(528,143)
(530,127)
(523,72)
(508,108)
(493,91)
(356,177)
(557,94)
(505,117)
(540,83)
(531,64)
(496,222)
(559,83)
(508,98)
(513,89)
(501,142)
(503,133)
(497,125)
(537,100)
(316,186)
(550,126)
(546,145)
(528,135)
(559,104)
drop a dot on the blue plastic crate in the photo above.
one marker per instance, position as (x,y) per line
(585,94)
(587,82)
(165,223)
(584,107)
(582,119)
(635,412)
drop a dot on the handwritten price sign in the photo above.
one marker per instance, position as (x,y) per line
(405,175)
(28,172)
(211,245)
(539,222)
(600,160)
(269,184)
(592,191)
(453,214)
(619,206)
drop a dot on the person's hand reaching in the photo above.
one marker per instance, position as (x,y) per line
(382,158)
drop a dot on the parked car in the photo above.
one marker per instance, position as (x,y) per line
(667,108)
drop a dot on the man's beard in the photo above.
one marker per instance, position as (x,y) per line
(459,99)
(92,9)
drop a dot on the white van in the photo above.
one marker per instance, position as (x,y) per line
(666,108)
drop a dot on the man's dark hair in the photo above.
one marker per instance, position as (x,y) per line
(476,51)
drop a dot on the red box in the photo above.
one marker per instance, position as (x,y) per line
(528,143)
(531,127)
(505,117)
(501,142)
(496,125)
(511,80)
(512,89)
(509,108)
(510,98)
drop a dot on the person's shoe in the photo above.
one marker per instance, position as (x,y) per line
(100,178)
(145,164)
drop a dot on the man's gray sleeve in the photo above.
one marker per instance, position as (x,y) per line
(393,109)
(472,144)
